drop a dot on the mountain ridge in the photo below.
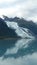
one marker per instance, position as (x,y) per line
(23,23)
(17,24)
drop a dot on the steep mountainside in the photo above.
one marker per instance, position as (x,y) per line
(17,27)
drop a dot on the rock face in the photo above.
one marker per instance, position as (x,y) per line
(5,31)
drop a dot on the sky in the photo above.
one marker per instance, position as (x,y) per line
(21,8)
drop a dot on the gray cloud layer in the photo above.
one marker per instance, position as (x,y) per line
(20,8)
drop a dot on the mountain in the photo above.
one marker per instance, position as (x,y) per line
(17,27)
(20,31)
(5,31)
(24,23)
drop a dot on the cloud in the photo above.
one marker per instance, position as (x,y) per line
(25,60)
(20,8)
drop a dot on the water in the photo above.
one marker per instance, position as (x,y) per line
(18,52)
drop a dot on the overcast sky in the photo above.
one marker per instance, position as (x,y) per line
(20,8)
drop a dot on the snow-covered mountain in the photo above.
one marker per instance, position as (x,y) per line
(20,31)
(17,27)
(23,23)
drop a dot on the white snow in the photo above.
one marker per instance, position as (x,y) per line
(23,32)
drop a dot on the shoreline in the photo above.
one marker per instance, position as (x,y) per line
(10,38)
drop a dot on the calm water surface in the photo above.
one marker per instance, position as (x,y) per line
(18,52)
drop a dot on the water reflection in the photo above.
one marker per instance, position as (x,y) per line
(6,44)
(18,48)
(18,52)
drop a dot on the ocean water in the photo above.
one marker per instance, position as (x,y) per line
(18,52)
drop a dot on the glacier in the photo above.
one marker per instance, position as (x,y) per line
(20,31)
